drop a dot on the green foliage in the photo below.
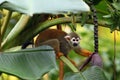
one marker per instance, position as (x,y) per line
(26,64)
(93,73)
(29,63)
(114,16)
(109,12)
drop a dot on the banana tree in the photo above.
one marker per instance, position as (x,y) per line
(32,18)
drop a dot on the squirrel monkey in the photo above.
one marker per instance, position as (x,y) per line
(62,44)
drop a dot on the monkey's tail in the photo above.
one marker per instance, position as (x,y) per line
(26,44)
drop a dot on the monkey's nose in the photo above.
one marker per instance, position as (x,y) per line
(75,44)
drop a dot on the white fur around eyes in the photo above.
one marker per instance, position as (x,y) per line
(72,38)
(75,39)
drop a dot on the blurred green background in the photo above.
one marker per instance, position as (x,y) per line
(106,48)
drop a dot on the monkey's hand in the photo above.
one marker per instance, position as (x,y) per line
(95,60)
(85,52)
(82,52)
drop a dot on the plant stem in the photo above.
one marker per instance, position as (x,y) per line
(16,30)
(64,20)
(71,66)
(114,58)
(0,37)
(34,30)
(5,23)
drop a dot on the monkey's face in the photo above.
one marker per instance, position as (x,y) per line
(75,41)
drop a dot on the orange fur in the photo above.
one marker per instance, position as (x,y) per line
(85,52)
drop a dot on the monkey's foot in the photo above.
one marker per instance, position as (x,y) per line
(59,54)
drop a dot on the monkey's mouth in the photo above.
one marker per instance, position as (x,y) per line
(75,44)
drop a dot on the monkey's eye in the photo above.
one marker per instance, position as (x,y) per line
(77,40)
(73,39)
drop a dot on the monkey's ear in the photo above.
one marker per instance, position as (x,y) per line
(67,37)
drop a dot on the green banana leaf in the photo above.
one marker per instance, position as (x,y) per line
(92,73)
(28,64)
(45,6)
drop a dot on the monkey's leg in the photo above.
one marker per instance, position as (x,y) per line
(55,44)
(61,70)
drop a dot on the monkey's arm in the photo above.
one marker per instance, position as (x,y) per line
(82,52)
